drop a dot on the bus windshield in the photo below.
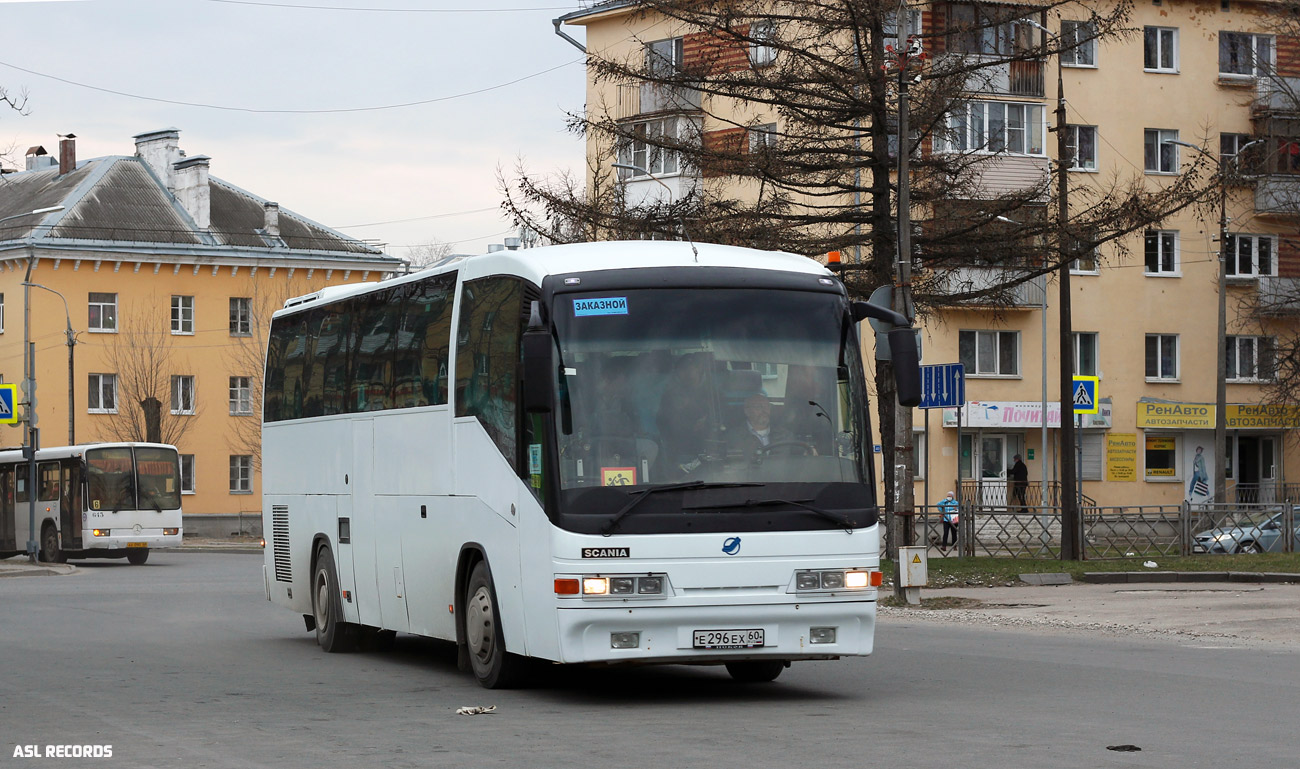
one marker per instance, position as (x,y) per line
(663,386)
(115,478)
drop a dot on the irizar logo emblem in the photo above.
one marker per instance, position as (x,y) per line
(731,546)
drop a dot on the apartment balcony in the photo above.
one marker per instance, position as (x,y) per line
(1025,295)
(1277,194)
(644,99)
(1279,296)
(1277,95)
(1010,78)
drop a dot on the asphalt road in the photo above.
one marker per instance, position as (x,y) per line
(183,663)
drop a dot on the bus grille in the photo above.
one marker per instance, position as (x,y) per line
(280,542)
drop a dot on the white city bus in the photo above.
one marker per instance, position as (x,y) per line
(99,500)
(560,454)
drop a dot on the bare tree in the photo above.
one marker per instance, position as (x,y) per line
(428,253)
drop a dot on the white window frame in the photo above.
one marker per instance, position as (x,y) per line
(997,340)
(241,396)
(762,136)
(1256,69)
(1152,159)
(1232,254)
(182,315)
(1162,364)
(1166,240)
(969,129)
(761,52)
(1084,54)
(638,152)
(1092,461)
(1259,346)
(1072,138)
(182,389)
(664,57)
(1177,477)
(97,385)
(1093,338)
(919,450)
(241,316)
(1237,140)
(2,313)
(187,473)
(241,474)
(102,328)
(1165,38)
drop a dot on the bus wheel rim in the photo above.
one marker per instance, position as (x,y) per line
(479,631)
(322,600)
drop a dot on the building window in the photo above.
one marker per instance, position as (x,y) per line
(182,395)
(187,473)
(1160,49)
(991,30)
(1245,55)
(1249,256)
(103,313)
(1162,458)
(642,149)
(890,31)
(1162,357)
(996,126)
(1092,461)
(762,137)
(1086,261)
(1230,145)
(241,396)
(1162,252)
(101,394)
(919,450)
(1249,359)
(2,313)
(1083,146)
(241,316)
(761,51)
(663,58)
(182,315)
(1160,154)
(990,353)
(1085,353)
(241,474)
(1082,36)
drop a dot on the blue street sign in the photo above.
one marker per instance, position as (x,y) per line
(943,386)
(8,401)
(1084,399)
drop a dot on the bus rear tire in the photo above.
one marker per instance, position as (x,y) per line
(136,556)
(50,550)
(332,633)
(756,671)
(493,666)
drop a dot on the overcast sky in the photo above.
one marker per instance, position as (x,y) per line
(434,163)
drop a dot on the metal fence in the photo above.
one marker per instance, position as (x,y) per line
(1140,531)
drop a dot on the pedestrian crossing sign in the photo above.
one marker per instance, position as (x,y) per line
(1084,399)
(8,404)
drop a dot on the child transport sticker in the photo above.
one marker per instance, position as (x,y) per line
(607,305)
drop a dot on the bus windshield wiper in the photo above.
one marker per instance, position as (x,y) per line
(638,496)
(799,503)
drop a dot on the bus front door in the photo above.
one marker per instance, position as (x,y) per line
(71,506)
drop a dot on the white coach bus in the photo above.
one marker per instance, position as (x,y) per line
(99,500)
(599,453)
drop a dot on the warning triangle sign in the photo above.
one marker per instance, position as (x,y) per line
(916,559)
(1082,397)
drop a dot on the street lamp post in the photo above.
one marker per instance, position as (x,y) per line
(72,343)
(1221,329)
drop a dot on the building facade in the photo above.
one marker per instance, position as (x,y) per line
(165,278)
(1217,76)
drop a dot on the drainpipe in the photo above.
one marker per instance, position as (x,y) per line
(561,33)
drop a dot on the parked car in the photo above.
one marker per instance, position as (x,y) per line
(1253,533)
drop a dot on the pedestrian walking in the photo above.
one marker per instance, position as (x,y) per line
(951,517)
(1019,475)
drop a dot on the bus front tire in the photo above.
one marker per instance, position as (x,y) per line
(493,666)
(50,550)
(332,633)
(137,556)
(756,671)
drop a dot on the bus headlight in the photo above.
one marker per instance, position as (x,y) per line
(825,580)
(99,532)
(595,586)
(171,532)
(613,585)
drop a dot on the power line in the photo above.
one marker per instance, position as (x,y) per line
(418,218)
(290,111)
(391,10)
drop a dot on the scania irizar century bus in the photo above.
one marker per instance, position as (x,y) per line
(100,500)
(600,453)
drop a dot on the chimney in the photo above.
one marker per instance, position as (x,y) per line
(67,154)
(160,150)
(271,223)
(191,189)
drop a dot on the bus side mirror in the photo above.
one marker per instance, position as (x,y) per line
(907,369)
(539,366)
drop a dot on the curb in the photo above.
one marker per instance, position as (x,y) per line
(1136,577)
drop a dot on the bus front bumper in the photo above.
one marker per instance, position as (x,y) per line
(124,539)
(619,634)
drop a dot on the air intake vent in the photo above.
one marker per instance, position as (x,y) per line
(280,542)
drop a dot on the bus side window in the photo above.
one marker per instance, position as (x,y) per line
(487,359)
(48,476)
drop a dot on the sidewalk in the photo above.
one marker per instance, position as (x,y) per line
(21,566)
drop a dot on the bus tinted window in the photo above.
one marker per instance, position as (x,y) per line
(487,358)
(158,478)
(48,476)
(110,479)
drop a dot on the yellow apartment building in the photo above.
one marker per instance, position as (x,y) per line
(166,277)
(1215,75)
